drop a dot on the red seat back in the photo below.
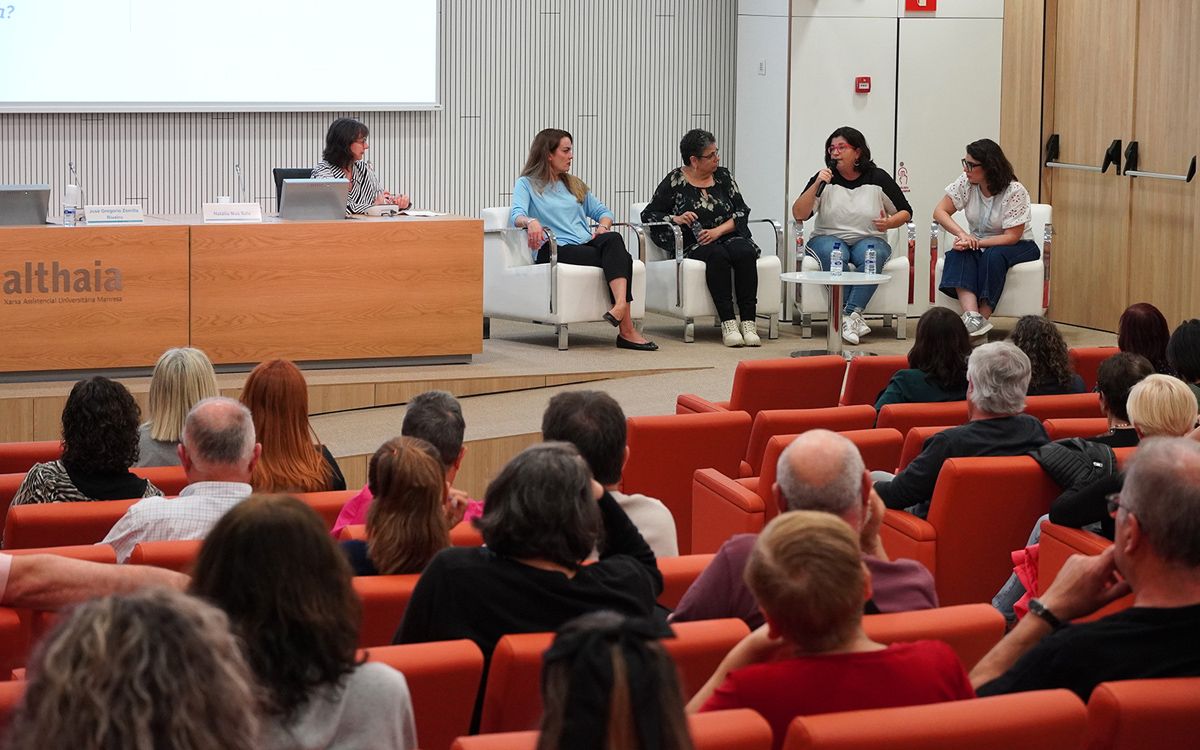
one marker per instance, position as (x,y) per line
(1087,427)
(1060,542)
(736,729)
(970,629)
(914,443)
(18,458)
(1071,405)
(1137,714)
(771,422)
(880,447)
(789,383)
(61,524)
(384,599)
(904,417)
(11,693)
(327,504)
(866,377)
(678,575)
(177,555)
(1085,361)
(170,479)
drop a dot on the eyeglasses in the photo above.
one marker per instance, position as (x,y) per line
(839,147)
(713,155)
(969,165)
(1113,503)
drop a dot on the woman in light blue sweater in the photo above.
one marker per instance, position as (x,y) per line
(545,196)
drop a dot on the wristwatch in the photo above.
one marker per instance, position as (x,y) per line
(1039,609)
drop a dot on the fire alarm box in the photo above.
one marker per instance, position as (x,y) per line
(862,85)
(919,5)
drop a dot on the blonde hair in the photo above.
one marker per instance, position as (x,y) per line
(406,524)
(1161,405)
(807,574)
(182,378)
(537,165)
(151,669)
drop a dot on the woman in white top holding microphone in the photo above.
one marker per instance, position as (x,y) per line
(343,159)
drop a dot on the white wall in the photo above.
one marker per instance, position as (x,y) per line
(626,77)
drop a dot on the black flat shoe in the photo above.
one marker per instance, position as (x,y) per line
(612,319)
(624,343)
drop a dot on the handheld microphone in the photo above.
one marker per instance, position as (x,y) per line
(237,170)
(831,164)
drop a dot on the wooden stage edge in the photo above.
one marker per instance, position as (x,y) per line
(32,410)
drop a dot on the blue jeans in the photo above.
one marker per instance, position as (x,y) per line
(852,255)
(984,271)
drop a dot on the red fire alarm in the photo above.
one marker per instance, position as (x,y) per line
(862,85)
(919,5)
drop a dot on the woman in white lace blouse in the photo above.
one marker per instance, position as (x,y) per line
(998,235)
(343,159)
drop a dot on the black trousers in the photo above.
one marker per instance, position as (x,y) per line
(605,251)
(739,256)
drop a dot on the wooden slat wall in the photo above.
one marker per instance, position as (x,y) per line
(626,77)
(1021,89)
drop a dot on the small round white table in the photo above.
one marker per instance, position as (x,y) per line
(834,284)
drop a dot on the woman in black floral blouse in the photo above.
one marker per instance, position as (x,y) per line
(703,199)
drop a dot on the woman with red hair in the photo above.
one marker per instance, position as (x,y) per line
(1143,330)
(293,460)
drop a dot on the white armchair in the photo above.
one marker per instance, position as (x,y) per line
(557,294)
(1027,288)
(891,298)
(675,285)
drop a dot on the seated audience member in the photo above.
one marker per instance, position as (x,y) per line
(937,363)
(1115,378)
(1143,330)
(218,454)
(1050,365)
(292,460)
(54,582)
(1183,355)
(812,656)
(407,523)
(182,378)
(608,683)
(543,515)
(1156,555)
(344,158)
(157,669)
(436,418)
(997,378)
(1158,406)
(270,564)
(99,444)
(819,471)
(593,422)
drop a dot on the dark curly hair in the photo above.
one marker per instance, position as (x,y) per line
(1143,330)
(1046,349)
(342,132)
(1183,351)
(693,143)
(100,428)
(271,565)
(942,348)
(996,167)
(856,140)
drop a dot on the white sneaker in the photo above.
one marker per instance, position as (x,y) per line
(849,334)
(860,325)
(750,333)
(976,324)
(730,335)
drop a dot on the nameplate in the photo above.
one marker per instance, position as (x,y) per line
(130,213)
(232,213)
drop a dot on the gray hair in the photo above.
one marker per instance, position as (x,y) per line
(821,470)
(1162,490)
(436,418)
(999,376)
(219,431)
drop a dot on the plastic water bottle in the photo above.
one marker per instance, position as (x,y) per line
(835,260)
(68,215)
(696,230)
(869,265)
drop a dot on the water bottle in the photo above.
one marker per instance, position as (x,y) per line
(869,265)
(835,260)
(68,215)
(696,230)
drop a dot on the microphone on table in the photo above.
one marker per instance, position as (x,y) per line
(237,170)
(831,164)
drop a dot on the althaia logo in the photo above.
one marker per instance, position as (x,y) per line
(38,278)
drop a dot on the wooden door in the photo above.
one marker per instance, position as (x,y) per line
(1093,94)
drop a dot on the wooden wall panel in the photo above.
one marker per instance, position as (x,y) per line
(1021,89)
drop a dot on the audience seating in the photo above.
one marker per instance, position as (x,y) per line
(1027,287)
(970,629)
(982,509)
(1068,406)
(179,555)
(170,479)
(1037,720)
(327,504)
(678,574)
(60,524)
(443,678)
(737,729)
(665,451)
(904,417)
(463,535)
(676,285)
(384,599)
(20,457)
(9,484)
(879,447)
(800,383)
(1085,361)
(1060,542)
(1081,427)
(867,377)
(511,702)
(99,553)
(554,293)
(1138,714)
(14,640)
(914,443)
(11,693)
(770,422)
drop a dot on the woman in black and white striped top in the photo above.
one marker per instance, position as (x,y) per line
(345,146)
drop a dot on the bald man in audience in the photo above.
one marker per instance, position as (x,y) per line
(823,471)
(1156,555)
(218,453)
